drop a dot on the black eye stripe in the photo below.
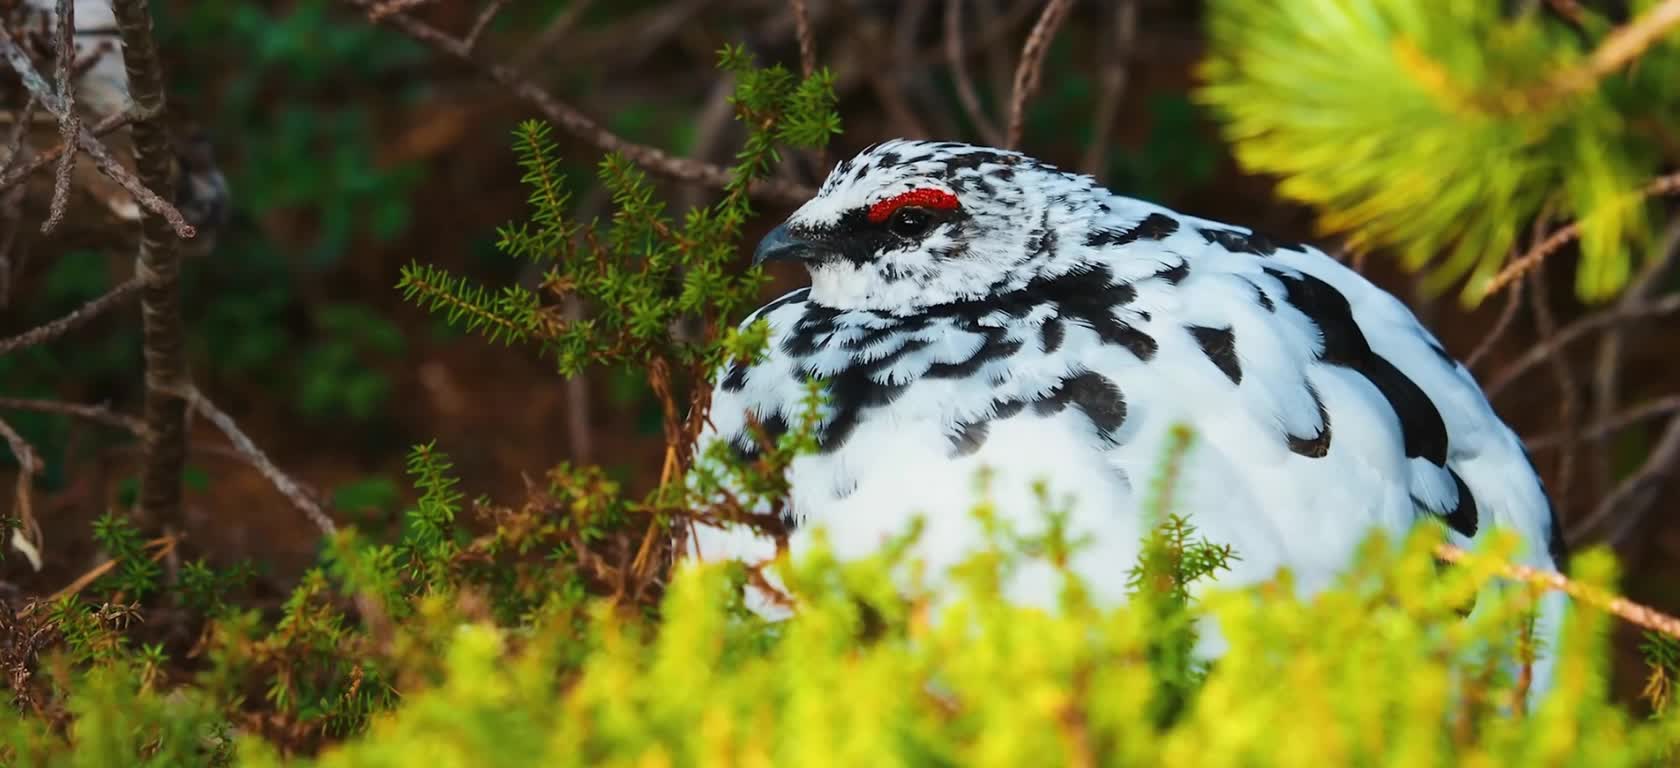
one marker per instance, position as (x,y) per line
(858,240)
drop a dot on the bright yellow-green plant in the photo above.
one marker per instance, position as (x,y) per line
(1381,670)
(1444,127)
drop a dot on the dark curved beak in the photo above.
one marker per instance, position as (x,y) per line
(781,245)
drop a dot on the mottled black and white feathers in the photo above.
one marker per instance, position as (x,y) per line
(971,307)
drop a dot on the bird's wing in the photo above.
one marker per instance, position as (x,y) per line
(1297,322)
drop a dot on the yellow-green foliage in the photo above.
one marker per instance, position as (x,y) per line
(1379,671)
(1443,127)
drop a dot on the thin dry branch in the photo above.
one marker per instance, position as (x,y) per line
(97,414)
(1030,69)
(802,31)
(818,158)
(1112,87)
(77,318)
(387,7)
(1662,185)
(165,546)
(249,450)
(17,173)
(1507,316)
(1615,605)
(476,32)
(12,201)
(1574,331)
(242,448)
(26,538)
(1569,405)
(60,107)
(11,210)
(1652,409)
(1627,42)
(958,62)
(551,35)
(68,123)
(1608,363)
(1627,506)
(569,119)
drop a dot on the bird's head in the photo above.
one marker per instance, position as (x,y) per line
(907,225)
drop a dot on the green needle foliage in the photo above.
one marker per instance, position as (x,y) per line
(1442,127)
(641,273)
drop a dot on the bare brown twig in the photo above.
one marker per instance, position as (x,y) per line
(249,450)
(1507,316)
(1030,69)
(76,319)
(1620,607)
(59,106)
(1638,493)
(1598,430)
(482,23)
(902,118)
(1113,85)
(807,66)
(97,414)
(15,174)
(27,539)
(1572,332)
(1569,404)
(557,29)
(385,8)
(69,125)
(1626,43)
(966,94)
(1608,362)
(11,203)
(1662,185)
(243,449)
(165,545)
(579,125)
(802,30)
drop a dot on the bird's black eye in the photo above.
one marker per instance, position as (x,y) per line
(909,222)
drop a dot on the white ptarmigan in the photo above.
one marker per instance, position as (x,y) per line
(972,307)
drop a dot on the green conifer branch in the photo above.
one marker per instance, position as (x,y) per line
(1441,131)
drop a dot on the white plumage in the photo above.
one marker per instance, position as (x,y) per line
(971,307)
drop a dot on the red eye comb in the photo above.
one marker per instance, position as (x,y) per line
(922,198)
